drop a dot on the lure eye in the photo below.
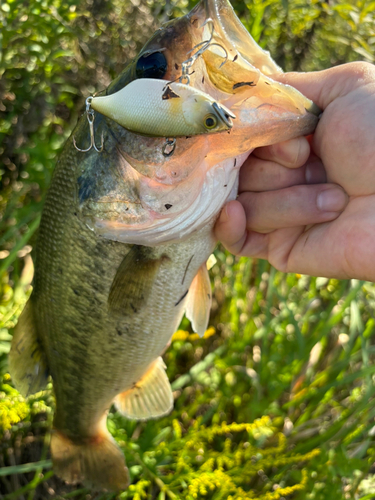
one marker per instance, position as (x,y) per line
(152,65)
(210,121)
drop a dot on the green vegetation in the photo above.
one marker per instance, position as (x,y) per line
(278,400)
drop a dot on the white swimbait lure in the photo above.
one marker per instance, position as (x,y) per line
(158,108)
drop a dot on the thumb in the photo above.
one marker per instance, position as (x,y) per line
(325,86)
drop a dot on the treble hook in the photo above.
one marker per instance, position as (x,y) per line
(90,118)
(186,65)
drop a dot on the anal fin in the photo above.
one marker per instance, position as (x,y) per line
(27,360)
(199,301)
(151,397)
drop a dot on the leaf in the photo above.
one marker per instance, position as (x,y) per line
(24,468)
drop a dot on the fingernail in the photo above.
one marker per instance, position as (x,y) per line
(332,200)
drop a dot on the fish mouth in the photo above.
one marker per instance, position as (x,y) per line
(211,50)
(231,33)
(239,76)
(152,199)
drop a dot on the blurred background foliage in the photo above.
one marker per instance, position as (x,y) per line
(292,357)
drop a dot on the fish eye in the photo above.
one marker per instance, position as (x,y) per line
(152,65)
(210,121)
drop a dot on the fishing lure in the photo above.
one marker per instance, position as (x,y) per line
(152,107)
(157,108)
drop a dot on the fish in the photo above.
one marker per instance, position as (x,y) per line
(155,107)
(125,235)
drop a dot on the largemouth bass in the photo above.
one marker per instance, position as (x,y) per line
(125,235)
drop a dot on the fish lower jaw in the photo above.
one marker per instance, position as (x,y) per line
(219,186)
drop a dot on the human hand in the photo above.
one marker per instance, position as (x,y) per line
(280,215)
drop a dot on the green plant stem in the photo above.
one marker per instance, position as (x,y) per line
(24,468)
(162,486)
(32,485)
(46,443)
(83,491)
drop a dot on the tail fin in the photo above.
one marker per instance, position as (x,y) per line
(97,462)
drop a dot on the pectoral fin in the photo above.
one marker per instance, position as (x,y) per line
(151,397)
(199,301)
(27,360)
(133,281)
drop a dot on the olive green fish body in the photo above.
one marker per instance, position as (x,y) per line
(94,354)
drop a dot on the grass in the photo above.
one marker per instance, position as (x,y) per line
(287,355)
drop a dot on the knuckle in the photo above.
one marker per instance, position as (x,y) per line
(363,70)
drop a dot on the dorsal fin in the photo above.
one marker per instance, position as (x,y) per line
(199,301)
(150,397)
(27,360)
